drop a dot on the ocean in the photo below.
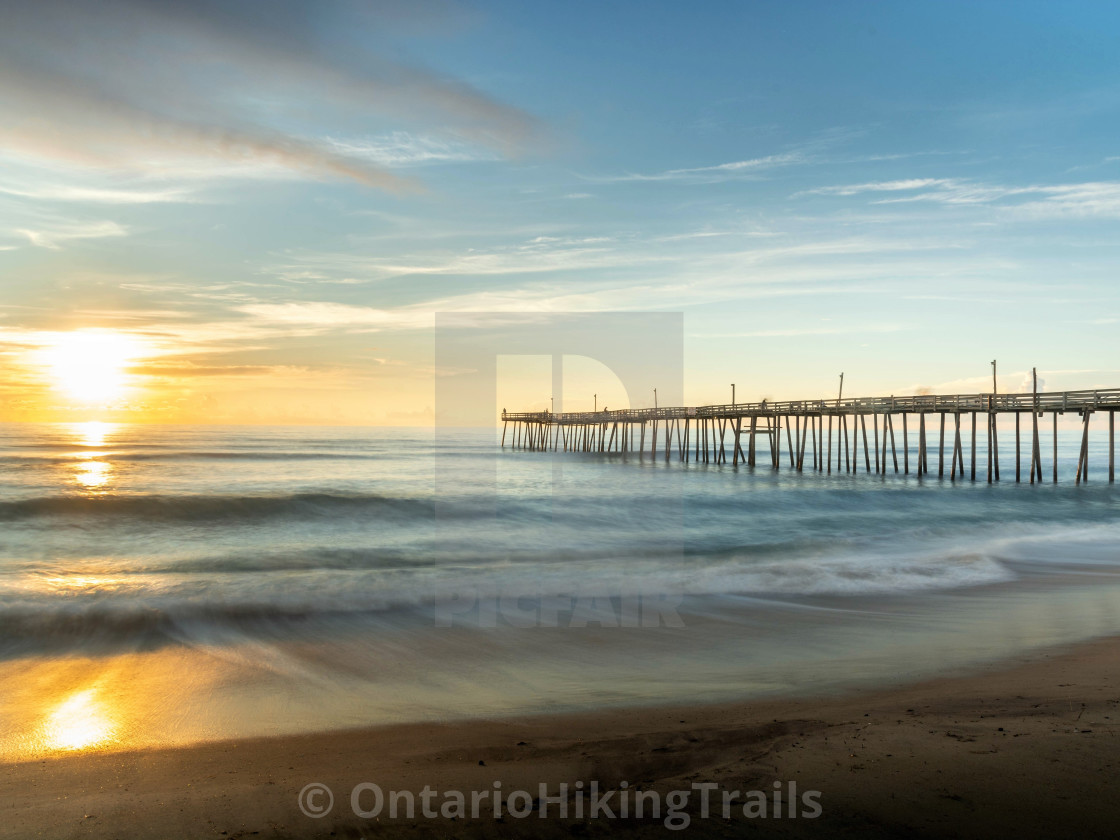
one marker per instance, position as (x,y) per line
(165,585)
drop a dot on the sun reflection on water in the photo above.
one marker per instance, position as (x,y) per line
(93,432)
(84,583)
(93,474)
(79,722)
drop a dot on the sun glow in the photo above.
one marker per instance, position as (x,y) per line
(91,366)
(78,723)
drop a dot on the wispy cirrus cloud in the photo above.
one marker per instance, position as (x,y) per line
(1030,201)
(543,254)
(669,279)
(55,237)
(156,86)
(327,315)
(901,185)
(595,260)
(97,195)
(402,148)
(717,172)
(1094,199)
(794,332)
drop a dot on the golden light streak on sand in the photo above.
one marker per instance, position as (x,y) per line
(166,697)
(79,722)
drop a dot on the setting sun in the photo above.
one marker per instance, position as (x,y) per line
(91,366)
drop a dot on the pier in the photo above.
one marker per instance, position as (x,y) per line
(820,435)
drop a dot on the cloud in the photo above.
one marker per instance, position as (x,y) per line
(205,87)
(96,195)
(190,369)
(718,172)
(627,271)
(331,316)
(877,186)
(54,238)
(1099,199)
(401,148)
(803,331)
(539,255)
(1096,199)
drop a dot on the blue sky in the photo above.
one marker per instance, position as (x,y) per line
(274,198)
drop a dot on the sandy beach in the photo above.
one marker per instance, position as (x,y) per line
(1021,749)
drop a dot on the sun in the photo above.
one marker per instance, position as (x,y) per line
(91,366)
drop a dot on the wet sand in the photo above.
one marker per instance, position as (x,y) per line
(1021,749)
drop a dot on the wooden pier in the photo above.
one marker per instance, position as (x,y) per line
(821,434)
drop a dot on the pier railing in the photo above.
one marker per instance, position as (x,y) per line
(925,404)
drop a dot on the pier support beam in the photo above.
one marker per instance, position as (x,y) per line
(958,453)
(894,450)
(925,447)
(919,468)
(1083,455)
(973,474)
(995,443)
(1055,452)
(991,432)
(806,437)
(828,455)
(905,447)
(941,449)
(847,448)
(1018,457)
(820,434)
(879,468)
(1111,447)
(866,451)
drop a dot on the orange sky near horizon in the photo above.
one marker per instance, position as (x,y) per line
(119,376)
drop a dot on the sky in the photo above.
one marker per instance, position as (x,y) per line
(251,212)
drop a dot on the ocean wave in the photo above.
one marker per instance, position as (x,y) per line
(202,508)
(54,609)
(101,628)
(187,455)
(860,576)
